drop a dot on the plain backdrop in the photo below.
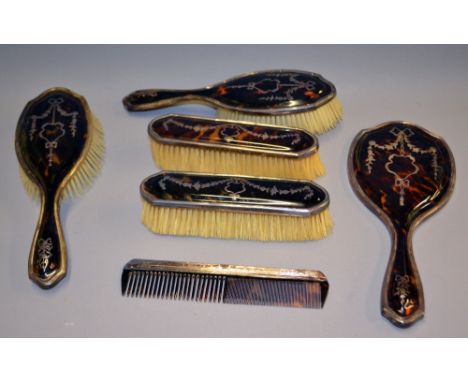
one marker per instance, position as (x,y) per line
(427,85)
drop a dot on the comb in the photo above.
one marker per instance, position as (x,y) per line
(294,98)
(187,143)
(230,284)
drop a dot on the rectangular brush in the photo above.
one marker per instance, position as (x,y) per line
(201,144)
(230,284)
(235,207)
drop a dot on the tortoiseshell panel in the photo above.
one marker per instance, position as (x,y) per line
(403,173)
(273,90)
(403,170)
(173,189)
(193,131)
(51,136)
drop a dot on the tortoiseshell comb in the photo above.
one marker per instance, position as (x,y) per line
(187,143)
(59,144)
(230,284)
(279,97)
(404,174)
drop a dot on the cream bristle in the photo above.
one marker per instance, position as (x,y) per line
(29,186)
(317,121)
(87,170)
(199,159)
(235,225)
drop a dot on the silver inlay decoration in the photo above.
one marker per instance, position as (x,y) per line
(229,131)
(45,248)
(268,87)
(401,290)
(401,150)
(52,127)
(236,186)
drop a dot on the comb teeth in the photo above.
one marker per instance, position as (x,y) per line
(175,286)
(206,286)
(252,291)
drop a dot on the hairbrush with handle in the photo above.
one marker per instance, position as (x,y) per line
(59,144)
(280,97)
(404,174)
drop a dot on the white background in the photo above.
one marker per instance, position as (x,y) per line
(427,85)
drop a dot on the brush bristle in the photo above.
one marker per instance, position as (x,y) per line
(86,171)
(235,225)
(317,121)
(184,158)
(29,186)
(222,289)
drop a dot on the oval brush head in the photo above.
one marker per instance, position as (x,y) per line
(59,144)
(187,143)
(236,207)
(280,97)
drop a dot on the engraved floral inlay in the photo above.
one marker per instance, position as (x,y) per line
(401,160)
(236,186)
(52,126)
(279,87)
(44,249)
(230,131)
(401,289)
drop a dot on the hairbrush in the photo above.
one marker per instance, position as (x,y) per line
(238,207)
(404,174)
(59,144)
(218,283)
(280,97)
(199,144)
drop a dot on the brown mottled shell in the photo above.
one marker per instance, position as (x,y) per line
(232,135)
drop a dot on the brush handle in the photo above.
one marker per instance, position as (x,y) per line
(402,293)
(150,99)
(47,259)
